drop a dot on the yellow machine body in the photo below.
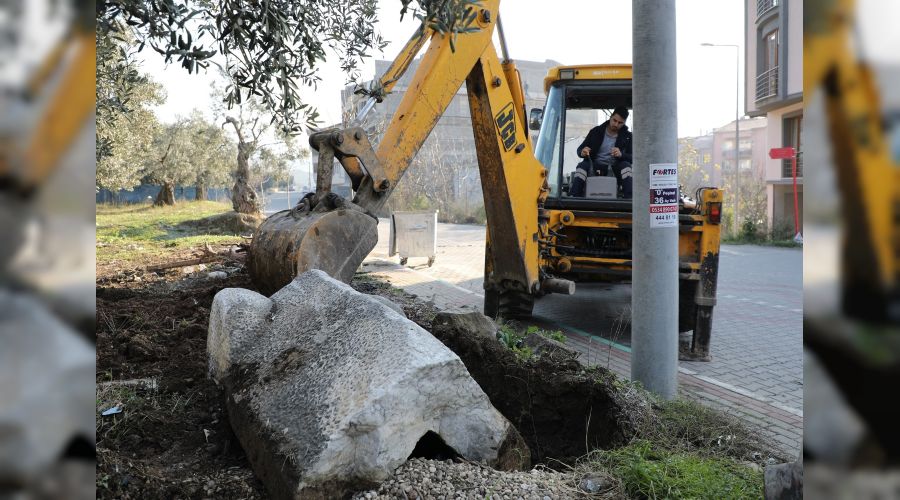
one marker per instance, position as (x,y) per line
(527,219)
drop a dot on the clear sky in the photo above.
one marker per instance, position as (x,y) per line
(878,30)
(569,31)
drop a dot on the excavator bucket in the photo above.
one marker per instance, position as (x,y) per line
(334,239)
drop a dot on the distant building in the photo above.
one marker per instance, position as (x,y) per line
(774,89)
(715,151)
(703,144)
(752,152)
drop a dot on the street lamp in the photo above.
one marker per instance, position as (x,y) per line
(737,130)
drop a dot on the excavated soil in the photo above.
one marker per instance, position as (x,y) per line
(172,438)
(562,409)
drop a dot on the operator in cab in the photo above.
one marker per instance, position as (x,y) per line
(606,146)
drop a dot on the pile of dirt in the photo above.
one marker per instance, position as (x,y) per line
(172,438)
(224,223)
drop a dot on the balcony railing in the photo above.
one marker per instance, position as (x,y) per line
(767,84)
(786,172)
(763,6)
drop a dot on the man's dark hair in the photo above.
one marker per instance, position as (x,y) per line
(621,111)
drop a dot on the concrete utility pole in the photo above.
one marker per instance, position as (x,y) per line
(654,299)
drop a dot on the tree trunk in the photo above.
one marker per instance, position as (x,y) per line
(166,195)
(200,193)
(243,197)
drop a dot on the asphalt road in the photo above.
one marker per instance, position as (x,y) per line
(278,201)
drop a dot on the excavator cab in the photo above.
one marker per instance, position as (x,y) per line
(573,108)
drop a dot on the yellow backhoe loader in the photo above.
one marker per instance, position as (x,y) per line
(539,239)
(867,175)
(861,353)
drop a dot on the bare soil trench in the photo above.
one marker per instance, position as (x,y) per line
(172,438)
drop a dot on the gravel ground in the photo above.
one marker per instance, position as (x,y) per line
(433,479)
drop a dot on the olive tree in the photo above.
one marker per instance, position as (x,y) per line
(170,162)
(270,48)
(125,123)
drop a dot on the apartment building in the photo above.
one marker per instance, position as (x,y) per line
(774,73)
(715,151)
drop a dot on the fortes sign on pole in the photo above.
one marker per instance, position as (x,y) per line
(663,195)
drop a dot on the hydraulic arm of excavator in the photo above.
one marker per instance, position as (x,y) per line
(331,234)
(867,177)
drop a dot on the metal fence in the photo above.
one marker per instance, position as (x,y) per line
(763,6)
(767,84)
(786,167)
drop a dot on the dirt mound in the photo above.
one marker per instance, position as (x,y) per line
(225,223)
(562,409)
(172,438)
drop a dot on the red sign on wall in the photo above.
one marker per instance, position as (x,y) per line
(781,153)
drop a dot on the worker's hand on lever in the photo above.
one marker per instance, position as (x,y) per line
(585,152)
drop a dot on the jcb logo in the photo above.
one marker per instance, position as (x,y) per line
(506,125)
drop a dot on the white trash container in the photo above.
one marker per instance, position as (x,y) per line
(413,234)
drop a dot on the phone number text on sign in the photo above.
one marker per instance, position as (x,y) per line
(663,195)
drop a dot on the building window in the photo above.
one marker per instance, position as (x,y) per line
(792,128)
(771,43)
(745,164)
(767,77)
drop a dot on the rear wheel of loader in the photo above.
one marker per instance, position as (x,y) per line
(687,307)
(507,304)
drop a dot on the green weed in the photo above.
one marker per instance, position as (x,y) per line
(514,341)
(648,471)
(556,335)
(131,234)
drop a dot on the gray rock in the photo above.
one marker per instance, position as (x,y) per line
(593,484)
(784,481)
(390,303)
(831,481)
(329,391)
(217,275)
(833,431)
(467,321)
(47,389)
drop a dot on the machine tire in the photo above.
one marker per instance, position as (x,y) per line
(687,308)
(507,304)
